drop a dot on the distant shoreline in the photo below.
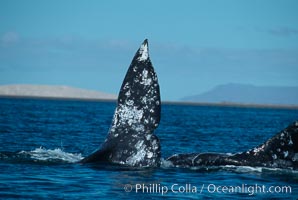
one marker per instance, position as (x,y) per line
(231,104)
(223,104)
(55,98)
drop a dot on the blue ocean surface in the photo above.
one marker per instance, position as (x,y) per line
(43,140)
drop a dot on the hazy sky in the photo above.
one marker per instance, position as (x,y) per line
(194,45)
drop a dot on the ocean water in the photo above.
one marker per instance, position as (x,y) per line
(42,141)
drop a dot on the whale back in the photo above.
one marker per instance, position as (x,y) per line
(279,151)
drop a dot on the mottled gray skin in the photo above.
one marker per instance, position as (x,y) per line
(281,151)
(131,140)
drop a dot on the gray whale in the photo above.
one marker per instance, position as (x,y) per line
(131,140)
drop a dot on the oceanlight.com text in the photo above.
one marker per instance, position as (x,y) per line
(250,190)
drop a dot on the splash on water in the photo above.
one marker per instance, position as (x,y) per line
(165,164)
(57,155)
(41,155)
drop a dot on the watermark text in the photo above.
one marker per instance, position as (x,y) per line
(163,189)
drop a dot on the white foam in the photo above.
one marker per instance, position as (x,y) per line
(166,163)
(248,169)
(57,154)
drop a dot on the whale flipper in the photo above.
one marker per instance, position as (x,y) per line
(131,140)
(281,151)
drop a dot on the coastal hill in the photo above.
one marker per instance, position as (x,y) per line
(247,94)
(228,94)
(52,92)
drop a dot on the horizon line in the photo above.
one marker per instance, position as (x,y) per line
(166,102)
